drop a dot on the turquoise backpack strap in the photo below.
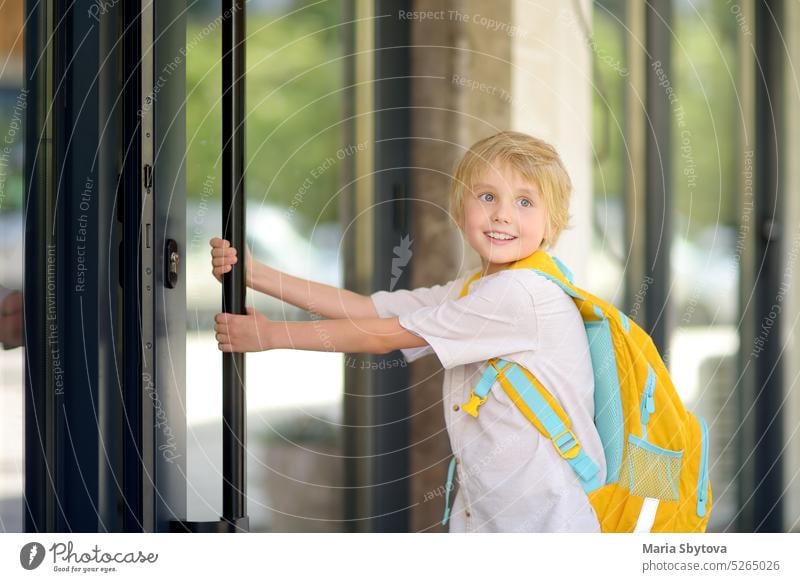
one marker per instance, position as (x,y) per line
(564,269)
(481,392)
(563,439)
(541,267)
(448,487)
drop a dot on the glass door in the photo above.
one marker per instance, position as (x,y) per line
(294,160)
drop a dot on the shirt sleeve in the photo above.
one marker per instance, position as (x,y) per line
(396,303)
(497,319)
(403,301)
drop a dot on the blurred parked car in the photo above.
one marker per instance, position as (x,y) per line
(274,240)
(706,277)
(11,235)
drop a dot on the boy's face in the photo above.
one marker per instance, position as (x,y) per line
(504,216)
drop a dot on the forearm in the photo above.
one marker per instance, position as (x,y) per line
(325,300)
(372,336)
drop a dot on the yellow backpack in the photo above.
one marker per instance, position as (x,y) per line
(656,451)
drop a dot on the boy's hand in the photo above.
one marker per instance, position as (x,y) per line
(224,256)
(242,333)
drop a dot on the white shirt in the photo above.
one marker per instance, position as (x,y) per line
(511,479)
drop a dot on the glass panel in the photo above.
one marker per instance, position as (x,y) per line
(705,268)
(13,103)
(294,101)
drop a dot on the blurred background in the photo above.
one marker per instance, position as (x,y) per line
(660,130)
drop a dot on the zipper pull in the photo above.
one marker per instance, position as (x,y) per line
(701,505)
(651,401)
(648,406)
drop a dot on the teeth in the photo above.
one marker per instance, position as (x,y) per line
(499,236)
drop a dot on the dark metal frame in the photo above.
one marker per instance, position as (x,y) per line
(91,448)
(233,224)
(40,401)
(234,407)
(648,190)
(762,388)
(658,176)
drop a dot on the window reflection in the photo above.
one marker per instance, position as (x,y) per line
(705,270)
(294,101)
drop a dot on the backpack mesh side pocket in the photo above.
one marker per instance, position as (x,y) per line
(651,471)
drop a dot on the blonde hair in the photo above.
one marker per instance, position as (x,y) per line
(536,161)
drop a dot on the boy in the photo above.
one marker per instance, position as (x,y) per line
(510,197)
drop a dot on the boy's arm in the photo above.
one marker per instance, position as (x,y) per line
(372,336)
(329,302)
(325,300)
(254,332)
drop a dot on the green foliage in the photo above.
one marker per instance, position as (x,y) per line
(704,68)
(608,118)
(704,65)
(12,139)
(294,104)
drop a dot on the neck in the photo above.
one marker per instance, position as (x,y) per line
(492,268)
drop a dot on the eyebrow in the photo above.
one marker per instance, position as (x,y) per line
(523,190)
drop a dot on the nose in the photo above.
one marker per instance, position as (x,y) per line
(501,214)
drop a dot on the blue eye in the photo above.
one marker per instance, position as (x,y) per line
(481,196)
(526,203)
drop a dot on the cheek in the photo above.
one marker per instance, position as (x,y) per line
(541,223)
(474,216)
(535,228)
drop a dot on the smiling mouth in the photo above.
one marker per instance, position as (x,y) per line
(500,238)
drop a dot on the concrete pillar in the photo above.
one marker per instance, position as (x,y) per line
(479,68)
(552,98)
(451,54)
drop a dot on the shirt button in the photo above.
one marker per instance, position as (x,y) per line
(458,460)
(467,513)
(456,407)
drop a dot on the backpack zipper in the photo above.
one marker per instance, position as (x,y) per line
(702,480)
(648,405)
